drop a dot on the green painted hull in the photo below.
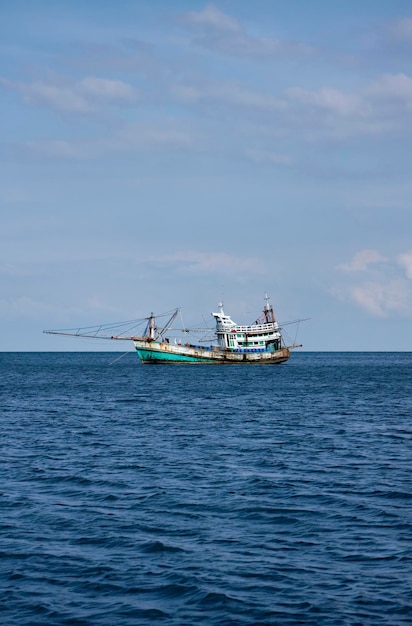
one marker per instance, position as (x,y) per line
(151,356)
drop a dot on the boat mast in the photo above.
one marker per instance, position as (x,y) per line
(268,311)
(152,332)
(150,328)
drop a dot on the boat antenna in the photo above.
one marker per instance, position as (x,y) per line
(222,296)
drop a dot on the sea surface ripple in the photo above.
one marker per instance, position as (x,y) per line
(213,495)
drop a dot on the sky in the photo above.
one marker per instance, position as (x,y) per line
(164,154)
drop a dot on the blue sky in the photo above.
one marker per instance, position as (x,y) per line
(159,154)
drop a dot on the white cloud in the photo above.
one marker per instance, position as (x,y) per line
(243,45)
(385,291)
(110,89)
(220,32)
(267,156)
(362,260)
(329,99)
(132,138)
(57,97)
(64,95)
(320,115)
(142,136)
(228,93)
(218,262)
(383,298)
(61,149)
(405,261)
(380,108)
(393,86)
(211,17)
(12,270)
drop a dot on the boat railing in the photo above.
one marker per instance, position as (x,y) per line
(255,328)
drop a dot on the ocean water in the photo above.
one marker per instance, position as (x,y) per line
(218,495)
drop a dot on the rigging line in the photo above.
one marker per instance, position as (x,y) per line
(181,317)
(120,357)
(169,323)
(287,337)
(206,324)
(130,324)
(135,322)
(128,329)
(296,333)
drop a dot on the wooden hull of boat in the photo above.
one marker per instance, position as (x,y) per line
(155,353)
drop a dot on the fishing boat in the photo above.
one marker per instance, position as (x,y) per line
(259,343)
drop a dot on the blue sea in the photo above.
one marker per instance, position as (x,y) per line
(187,495)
